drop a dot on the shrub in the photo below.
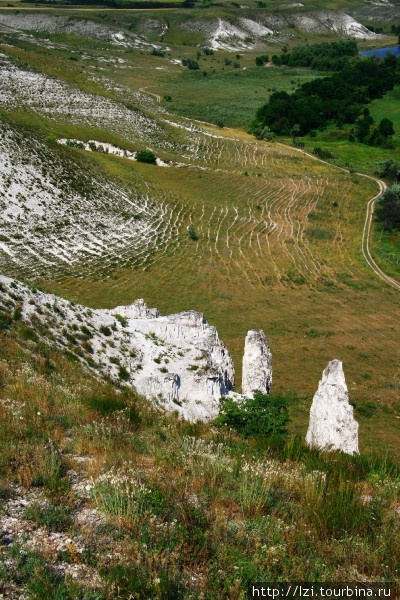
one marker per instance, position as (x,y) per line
(191,64)
(105,330)
(123,373)
(5,321)
(260,415)
(261,60)
(192,233)
(388,207)
(146,156)
(320,153)
(390,168)
(122,320)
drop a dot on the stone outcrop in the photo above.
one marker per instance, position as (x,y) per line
(257,364)
(137,310)
(332,424)
(178,361)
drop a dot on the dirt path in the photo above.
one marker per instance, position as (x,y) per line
(156,96)
(366,236)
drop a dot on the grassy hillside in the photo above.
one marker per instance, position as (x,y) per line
(279,235)
(104,498)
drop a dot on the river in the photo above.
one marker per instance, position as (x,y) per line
(381,52)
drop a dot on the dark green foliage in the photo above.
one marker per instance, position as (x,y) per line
(363,126)
(324,57)
(386,128)
(260,415)
(191,64)
(123,373)
(388,207)
(192,233)
(390,169)
(377,136)
(261,60)
(324,154)
(105,330)
(5,321)
(158,52)
(339,98)
(146,156)
(122,320)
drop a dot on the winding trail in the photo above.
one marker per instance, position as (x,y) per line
(156,96)
(366,236)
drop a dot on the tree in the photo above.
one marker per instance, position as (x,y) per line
(259,415)
(386,128)
(363,126)
(146,156)
(388,207)
(390,169)
(261,60)
(191,64)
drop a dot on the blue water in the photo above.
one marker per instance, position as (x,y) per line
(382,52)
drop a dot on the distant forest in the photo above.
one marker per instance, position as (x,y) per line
(324,57)
(340,98)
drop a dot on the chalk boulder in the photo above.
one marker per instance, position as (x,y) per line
(332,424)
(257,363)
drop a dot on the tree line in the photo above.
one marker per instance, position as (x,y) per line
(339,98)
(324,57)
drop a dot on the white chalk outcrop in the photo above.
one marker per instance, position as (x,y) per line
(257,364)
(332,424)
(178,361)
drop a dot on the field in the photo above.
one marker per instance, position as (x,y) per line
(279,234)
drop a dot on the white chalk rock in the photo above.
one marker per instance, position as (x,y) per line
(137,310)
(332,424)
(178,361)
(257,363)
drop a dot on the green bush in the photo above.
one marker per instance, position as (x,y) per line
(388,207)
(260,415)
(146,156)
(192,233)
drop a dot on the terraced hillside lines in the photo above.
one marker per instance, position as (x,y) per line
(26,89)
(58,217)
(252,227)
(368,225)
